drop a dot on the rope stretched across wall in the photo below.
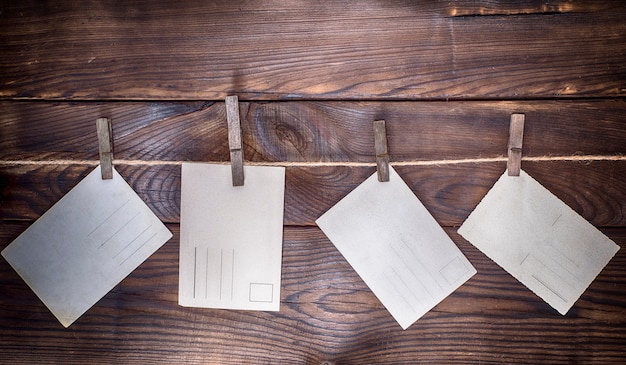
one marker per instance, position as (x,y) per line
(574,158)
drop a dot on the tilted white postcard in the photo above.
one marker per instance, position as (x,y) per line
(396,247)
(84,245)
(538,239)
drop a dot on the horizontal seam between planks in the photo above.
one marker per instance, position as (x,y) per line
(580,158)
(309,98)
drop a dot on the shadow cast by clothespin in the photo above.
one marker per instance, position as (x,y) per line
(380,146)
(516,137)
(105,147)
(235,139)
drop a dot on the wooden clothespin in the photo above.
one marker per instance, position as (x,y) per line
(380,145)
(235,139)
(105,146)
(516,136)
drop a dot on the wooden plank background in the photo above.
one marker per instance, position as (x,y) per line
(312,77)
(285,49)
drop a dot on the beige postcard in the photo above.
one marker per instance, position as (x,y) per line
(231,237)
(538,239)
(396,247)
(84,245)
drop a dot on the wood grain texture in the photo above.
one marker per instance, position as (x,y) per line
(596,190)
(43,131)
(295,50)
(311,78)
(312,131)
(327,314)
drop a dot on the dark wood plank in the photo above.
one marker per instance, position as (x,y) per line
(430,131)
(327,314)
(595,190)
(44,131)
(311,131)
(293,50)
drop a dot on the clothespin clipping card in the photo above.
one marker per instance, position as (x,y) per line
(380,146)
(105,146)
(516,136)
(87,242)
(536,237)
(418,264)
(231,234)
(235,139)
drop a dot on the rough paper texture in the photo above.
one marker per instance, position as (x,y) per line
(538,239)
(82,247)
(231,237)
(396,246)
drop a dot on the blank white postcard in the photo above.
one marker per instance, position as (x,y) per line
(231,237)
(396,247)
(84,245)
(538,239)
